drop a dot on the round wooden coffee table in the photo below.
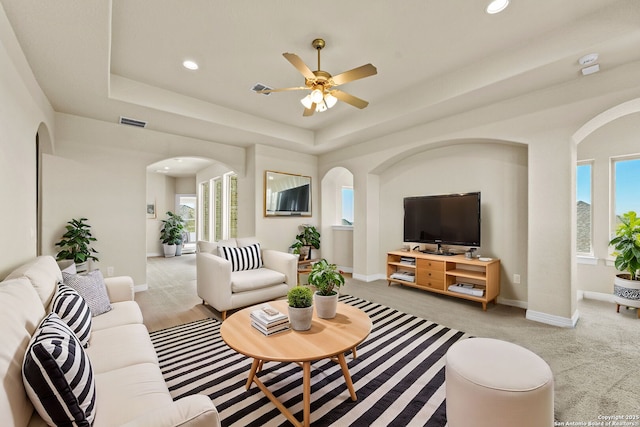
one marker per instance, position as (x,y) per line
(327,339)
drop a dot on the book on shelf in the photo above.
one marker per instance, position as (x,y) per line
(467,289)
(268,316)
(407,276)
(272,329)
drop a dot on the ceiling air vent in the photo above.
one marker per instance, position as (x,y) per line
(259,86)
(132,122)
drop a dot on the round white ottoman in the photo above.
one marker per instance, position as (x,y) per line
(494,383)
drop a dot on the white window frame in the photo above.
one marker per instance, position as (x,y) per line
(590,163)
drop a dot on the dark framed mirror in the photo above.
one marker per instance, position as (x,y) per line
(286,194)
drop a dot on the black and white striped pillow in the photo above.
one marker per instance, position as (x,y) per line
(73,309)
(245,258)
(57,375)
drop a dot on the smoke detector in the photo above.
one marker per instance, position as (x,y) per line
(588,59)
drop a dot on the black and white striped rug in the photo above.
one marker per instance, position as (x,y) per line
(398,375)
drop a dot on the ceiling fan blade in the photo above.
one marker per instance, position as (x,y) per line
(300,65)
(349,99)
(355,74)
(309,111)
(281,90)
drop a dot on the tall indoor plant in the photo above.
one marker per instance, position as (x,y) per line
(308,238)
(626,243)
(76,244)
(326,278)
(171,234)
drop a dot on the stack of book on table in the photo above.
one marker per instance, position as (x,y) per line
(268,320)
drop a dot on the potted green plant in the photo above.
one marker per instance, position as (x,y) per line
(326,279)
(76,244)
(171,234)
(300,299)
(626,285)
(308,238)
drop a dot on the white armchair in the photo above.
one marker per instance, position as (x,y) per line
(225,289)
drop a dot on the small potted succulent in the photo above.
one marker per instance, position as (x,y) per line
(626,285)
(327,279)
(75,244)
(300,299)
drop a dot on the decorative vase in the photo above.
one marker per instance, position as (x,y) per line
(179,248)
(326,306)
(81,267)
(169,250)
(626,292)
(300,318)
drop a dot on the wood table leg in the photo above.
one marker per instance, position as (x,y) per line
(252,372)
(347,376)
(306,393)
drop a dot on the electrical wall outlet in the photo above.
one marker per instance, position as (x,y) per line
(110,271)
(516,278)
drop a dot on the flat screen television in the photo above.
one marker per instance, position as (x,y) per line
(293,199)
(451,219)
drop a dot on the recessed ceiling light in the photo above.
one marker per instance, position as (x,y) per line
(190,65)
(497,6)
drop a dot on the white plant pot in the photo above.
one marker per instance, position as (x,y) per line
(82,267)
(169,250)
(626,292)
(326,306)
(300,318)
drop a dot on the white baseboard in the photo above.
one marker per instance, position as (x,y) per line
(140,288)
(513,303)
(599,296)
(345,269)
(553,320)
(154,254)
(369,278)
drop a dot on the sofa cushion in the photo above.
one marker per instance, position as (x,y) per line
(44,274)
(249,280)
(92,288)
(119,347)
(207,247)
(128,393)
(121,313)
(21,311)
(247,241)
(246,258)
(57,375)
(73,309)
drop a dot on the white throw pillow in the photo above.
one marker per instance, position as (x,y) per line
(92,288)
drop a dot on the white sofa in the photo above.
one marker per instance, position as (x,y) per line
(129,386)
(225,289)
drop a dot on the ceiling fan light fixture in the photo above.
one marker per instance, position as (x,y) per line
(306,101)
(330,100)
(316,96)
(321,107)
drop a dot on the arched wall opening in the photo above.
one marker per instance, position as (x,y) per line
(337,220)
(498,169)
(43,145)
(612,134)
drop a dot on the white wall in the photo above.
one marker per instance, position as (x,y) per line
(99,171)
(617,138)
(23,108)
(498,171)
(280,232)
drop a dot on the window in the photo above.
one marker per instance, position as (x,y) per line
(205,211)
(626,193)
(584,209)
(347,206)
(186,208)
(219,217)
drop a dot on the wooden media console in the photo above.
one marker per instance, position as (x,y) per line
(453,275)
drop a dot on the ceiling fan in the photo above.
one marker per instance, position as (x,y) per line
(321,84)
